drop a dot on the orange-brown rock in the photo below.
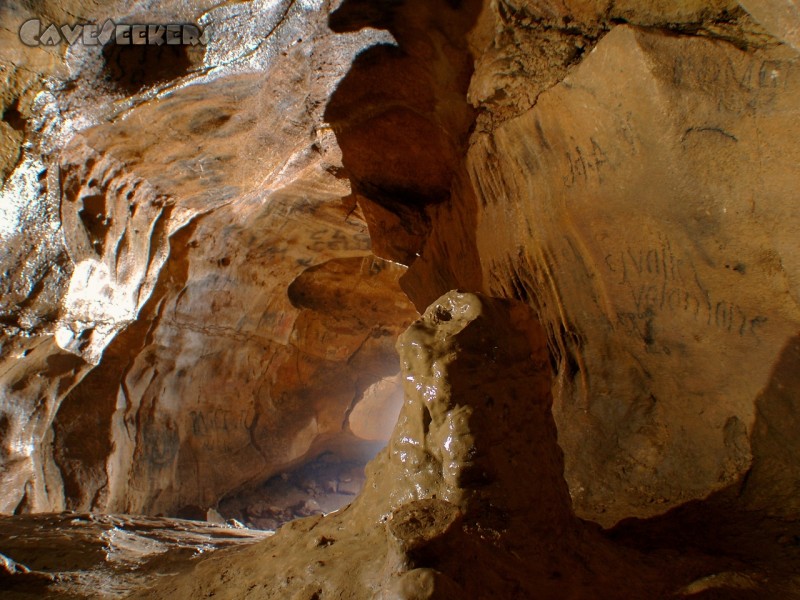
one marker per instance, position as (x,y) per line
(202,309)
(643,207)
(208,252)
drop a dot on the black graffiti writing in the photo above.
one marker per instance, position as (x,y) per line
(337,241)
(659,281)
(585,162)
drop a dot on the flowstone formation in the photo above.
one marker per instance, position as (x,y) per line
(208,252)
(468,499)
(189,303)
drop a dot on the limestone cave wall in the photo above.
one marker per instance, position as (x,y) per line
(190,302)
(642,206)
(210,251)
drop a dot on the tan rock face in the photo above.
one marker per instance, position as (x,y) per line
(645,204)
(779,18)
(204,251)
(197,258)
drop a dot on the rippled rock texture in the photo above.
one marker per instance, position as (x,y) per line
(189,304)
(644,206)
(208,253)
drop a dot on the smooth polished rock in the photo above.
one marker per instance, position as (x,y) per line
(647,213)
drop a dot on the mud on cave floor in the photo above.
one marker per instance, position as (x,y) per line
(320,486)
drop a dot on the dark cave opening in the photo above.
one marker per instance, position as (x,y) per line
(318,486)
(132,68)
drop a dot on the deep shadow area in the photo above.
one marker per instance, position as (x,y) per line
(773,483)
(400,114)
(728,552)
(13,117)
(319,486)
(353,15)
(747,536)
(132,68)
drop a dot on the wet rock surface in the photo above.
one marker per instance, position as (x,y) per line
(78,555)
(208,253)
(320,486)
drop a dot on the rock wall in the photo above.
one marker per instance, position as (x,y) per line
(203,248)
(209,252)
(190,301)
(643,205)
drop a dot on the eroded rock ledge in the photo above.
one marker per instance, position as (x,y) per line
(180,322)
(79,555)
(468,499)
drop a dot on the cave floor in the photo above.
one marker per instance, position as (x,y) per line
(320,486)
(703,550)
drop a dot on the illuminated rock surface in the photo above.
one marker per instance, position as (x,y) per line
(99,556)
(208,312)
(207,254)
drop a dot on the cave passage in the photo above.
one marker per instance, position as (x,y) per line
(403,299)
(318,486)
